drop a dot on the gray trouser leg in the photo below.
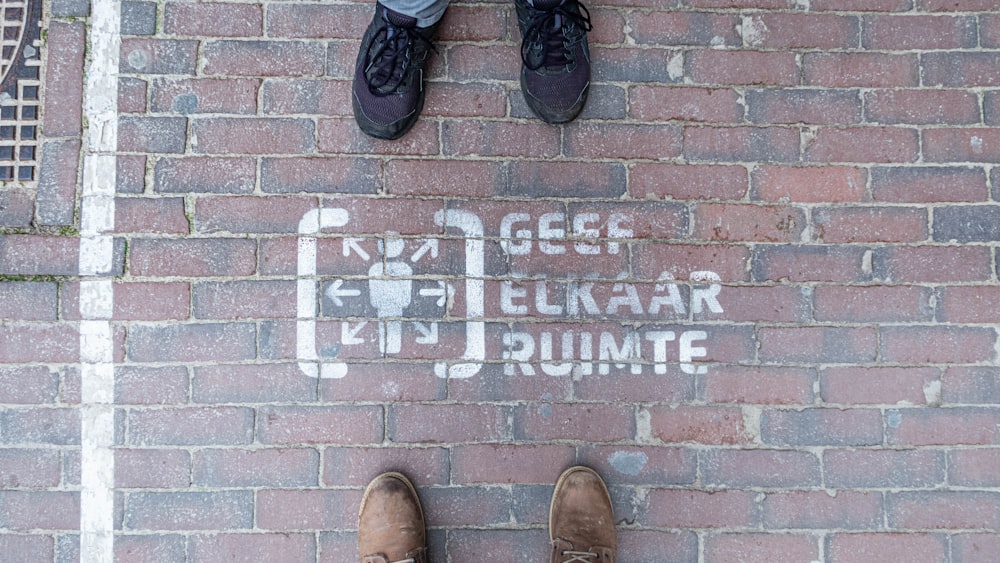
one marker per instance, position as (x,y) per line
(427,12)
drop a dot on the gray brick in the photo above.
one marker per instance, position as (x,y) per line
(138,18)
(979,223)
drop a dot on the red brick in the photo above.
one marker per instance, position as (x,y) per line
(50,343)
(184,510)
(480,62)
(973,304)
(763,4)
(465,100)
(40,510)
(212,19)
(878,385)
(760,468)
(611,140)
(191,426)
(321,424)
(342,135)
(31,255)
(739,144)
(152,468)
(645,220)
(801,31)
(809,184)
(976,385)
(388,382)
(28,548)
(192,257)
(974,468)
(671,181)
(817,344)
(674,103)
(495,463)
(65,46)
(630,64)
(762,548)
(58,169)
(748,223)
(957,5)
(702,425)
(17,208)
(204,95)
(974,548)
(922,107)
(319,174)
(686,509)
(448,423)
(813,106)
(136,301)
(152,134)
(294,467)
(557,179)
(809,263)
(646,465)
(683,28)
(967,426)
(205,174)
(870,224)
(357,466)
(860,70)
(143,385)
(757,385)
(594,422)
(933,510)
(496,545)
(29,468)
(454,178)
(934,344)
(131,95)
(989,29)
(308,509)
(742,68)
(234,547)
(145,55)
(473,23)
(962,145)
(251,384)
(28,385)
(861,5)
(873,547)
(648,545)
(498,138)
(318,21)
(872,304)
(883,468)
(263,58)
(300,95)
(933,264)
(150,215)
(848,510)
(864,144)
(961,69)
(650,260)
(912,32)
(28,301)
(822,427)
(273,214)
(221,135)
(131,174)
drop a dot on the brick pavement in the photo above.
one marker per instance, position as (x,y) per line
(755,286)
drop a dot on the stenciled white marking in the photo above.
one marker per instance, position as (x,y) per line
(305,332)
(97,224)
(475,299)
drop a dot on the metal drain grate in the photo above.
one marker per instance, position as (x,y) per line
(20,88)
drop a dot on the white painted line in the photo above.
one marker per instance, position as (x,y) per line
(306,292)
(475,331)
(97,225)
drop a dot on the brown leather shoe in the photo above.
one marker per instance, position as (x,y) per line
(581,520)
(391,522)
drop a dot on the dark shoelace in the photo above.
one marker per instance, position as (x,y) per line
(391,58)
(546,29)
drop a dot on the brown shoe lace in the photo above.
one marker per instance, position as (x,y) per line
(579,556)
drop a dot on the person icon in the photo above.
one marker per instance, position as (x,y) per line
(390,291)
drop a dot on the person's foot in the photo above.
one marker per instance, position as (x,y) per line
(555,69)
(581,520)
(389,75)
(391,522)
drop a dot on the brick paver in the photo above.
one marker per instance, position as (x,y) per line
(755,285)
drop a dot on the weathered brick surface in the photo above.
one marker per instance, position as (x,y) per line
(754,286)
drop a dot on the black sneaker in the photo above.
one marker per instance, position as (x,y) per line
(555,74)
(389,76)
